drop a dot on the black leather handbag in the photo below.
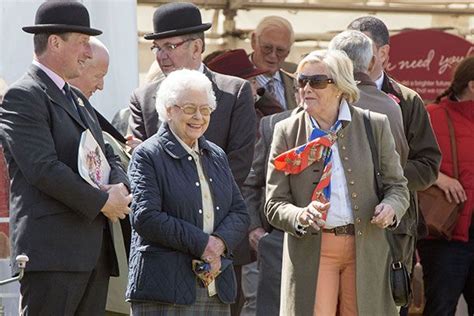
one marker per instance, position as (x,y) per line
(399,277)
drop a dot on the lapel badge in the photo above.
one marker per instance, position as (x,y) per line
(80,102)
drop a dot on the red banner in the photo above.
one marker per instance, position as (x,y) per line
(424,60)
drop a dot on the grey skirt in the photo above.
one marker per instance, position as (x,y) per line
(204,306)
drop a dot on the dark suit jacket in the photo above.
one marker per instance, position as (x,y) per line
(253,189)
(55,215)
(229,125)
(270,246)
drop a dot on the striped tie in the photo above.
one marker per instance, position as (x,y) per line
(298,159)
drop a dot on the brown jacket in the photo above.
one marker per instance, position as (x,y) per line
(424,159)
(287,195)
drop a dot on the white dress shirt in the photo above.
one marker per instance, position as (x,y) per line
(340,210)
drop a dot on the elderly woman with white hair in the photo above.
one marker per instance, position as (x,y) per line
(321,191)
(187,212)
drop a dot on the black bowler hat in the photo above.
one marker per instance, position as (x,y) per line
(61,16)
(177,18)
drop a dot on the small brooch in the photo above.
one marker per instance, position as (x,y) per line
(394,98)
(80,102)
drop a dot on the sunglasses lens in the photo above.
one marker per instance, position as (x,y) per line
(313,83)
(318,84)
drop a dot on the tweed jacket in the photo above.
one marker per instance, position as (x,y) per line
(288,82)
(424,160)
(167,219)
(55,215)
(289,194)
(228,127)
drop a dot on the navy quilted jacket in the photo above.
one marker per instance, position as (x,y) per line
(167,220)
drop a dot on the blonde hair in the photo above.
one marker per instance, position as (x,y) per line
(340,70)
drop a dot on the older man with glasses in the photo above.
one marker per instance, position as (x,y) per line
(271,43)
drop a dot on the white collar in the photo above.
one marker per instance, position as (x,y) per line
(379,81)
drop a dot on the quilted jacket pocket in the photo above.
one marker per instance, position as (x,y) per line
(163,277)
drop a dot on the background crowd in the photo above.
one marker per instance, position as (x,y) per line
(252,187)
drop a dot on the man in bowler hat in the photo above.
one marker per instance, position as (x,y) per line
(178,42)
(59,220)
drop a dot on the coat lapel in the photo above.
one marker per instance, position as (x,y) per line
(54,93)
(217,92)
(289,91)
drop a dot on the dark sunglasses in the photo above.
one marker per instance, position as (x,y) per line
(315,81)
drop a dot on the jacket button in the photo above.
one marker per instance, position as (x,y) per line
(356,207)
(217,208)
(210,179)
(346,158)
(354,195)
(197,184)
(359,233)
(200,211)
(357,220)
(343,147)
(349,170)
(190,158)
(351,182)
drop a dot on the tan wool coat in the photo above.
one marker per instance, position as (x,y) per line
(288,194)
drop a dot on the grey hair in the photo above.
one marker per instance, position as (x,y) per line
(275,21)
(176,85)
(340,69)
(357,46)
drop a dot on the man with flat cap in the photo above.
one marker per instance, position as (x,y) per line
(178,42)
(56,218)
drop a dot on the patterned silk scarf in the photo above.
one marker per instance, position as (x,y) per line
(299,158)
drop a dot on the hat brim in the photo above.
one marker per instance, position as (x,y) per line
(60,28)
(251,74)
(189,30)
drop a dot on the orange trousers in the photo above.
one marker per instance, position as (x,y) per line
(336,288)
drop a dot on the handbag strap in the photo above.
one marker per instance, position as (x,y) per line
(452,139)
(394,251)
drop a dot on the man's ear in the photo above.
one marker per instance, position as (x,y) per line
(54,42)
(197,48)
(253,41)
(371,64)
(384,53)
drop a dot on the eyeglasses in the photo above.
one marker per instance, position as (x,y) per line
(191,109)
(315,81)
(267,49)
(168,47)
